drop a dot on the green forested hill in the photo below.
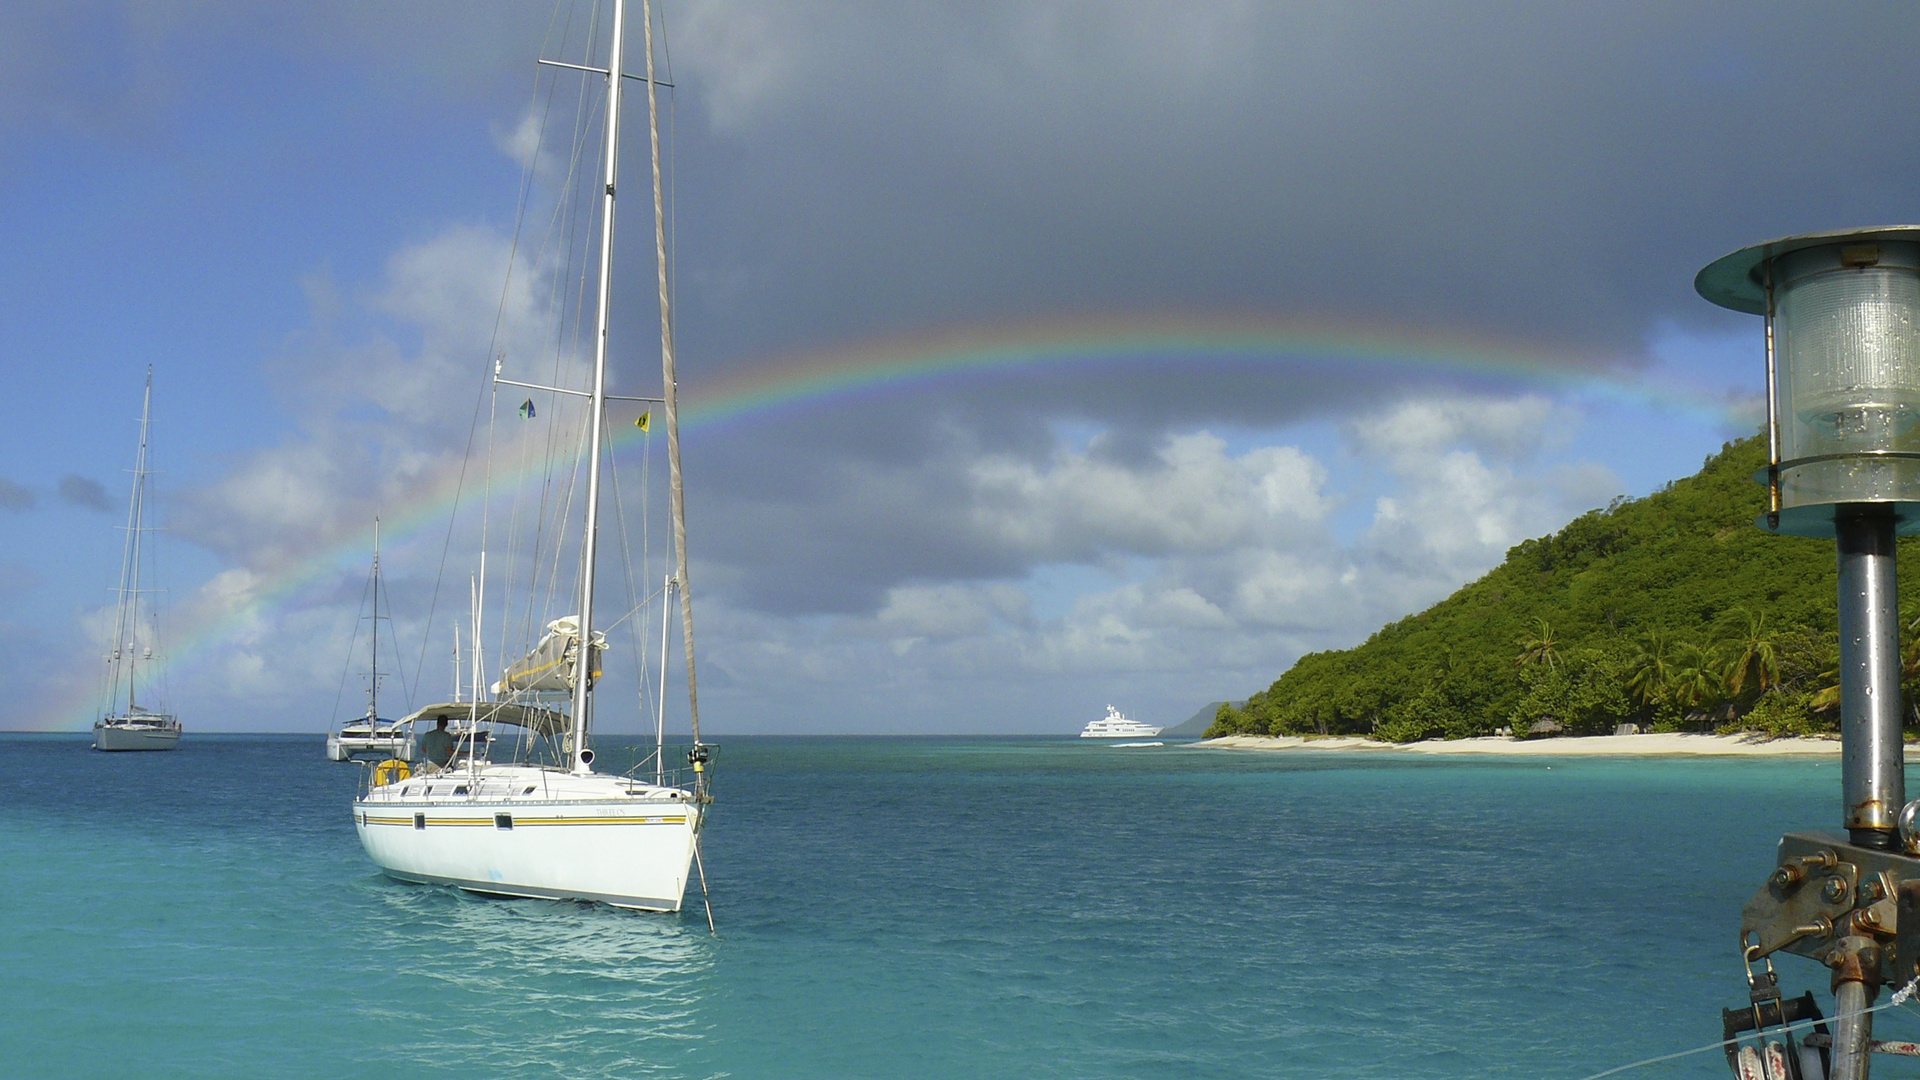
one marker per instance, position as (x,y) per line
(1673,611)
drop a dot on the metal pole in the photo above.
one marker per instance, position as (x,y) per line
(1773,417)
(1852,1029)
(597,404)
(1873,763)
(660,707)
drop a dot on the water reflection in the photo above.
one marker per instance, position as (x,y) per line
(523,984)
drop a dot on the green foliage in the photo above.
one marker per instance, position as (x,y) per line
(1673,611)
(1587,695)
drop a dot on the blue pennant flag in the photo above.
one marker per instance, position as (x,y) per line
(526,409)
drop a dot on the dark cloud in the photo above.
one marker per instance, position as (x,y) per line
(1552,171)
(14,497)
(80,491)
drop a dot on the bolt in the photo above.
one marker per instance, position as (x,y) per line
(1786,878)
(1834,890)
(1869,891)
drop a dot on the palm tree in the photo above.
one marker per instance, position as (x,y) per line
(1695,682)
(1653,666)
(1753,658)
(1540,647)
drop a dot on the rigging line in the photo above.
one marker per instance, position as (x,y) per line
(519,213)
(626,563)
(352,640)
(636,608)
(565,212)
(646,535)
(446,545)
(459,489)
(555,427)
(157,667)
(1899,997)
(579,320)
(644,684)
(399,658)
(127,555)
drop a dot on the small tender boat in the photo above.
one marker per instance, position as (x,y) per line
(1116,725)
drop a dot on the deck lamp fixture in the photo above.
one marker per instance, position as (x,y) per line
(1842,313)
(1842,316)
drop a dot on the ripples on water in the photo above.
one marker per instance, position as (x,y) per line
(907,908)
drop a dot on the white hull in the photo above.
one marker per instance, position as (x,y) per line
(347,747)
(135,737)
(1115,725)
(593,837)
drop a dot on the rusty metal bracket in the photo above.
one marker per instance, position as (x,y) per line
(1825,889)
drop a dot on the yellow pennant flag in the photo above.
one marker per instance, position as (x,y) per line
(645,419)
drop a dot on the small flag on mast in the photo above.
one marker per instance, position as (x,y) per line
(526,409)
(645,419)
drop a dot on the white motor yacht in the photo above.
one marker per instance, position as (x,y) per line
(1115,725)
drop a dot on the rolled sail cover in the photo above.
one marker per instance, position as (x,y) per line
(551,664)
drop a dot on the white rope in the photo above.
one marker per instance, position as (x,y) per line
(1900,997)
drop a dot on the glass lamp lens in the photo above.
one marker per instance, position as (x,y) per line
(1850,344)
(1847,340)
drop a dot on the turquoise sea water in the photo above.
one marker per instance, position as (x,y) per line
(908,908)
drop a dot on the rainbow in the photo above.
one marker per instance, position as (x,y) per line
(765,392)
(1185,341)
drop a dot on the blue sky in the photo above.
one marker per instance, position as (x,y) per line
(300,216)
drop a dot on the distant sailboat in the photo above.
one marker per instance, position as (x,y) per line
(369,735)
(126,722)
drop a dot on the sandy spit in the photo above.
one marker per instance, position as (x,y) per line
(1649,745)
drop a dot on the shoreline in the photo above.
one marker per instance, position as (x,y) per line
(1669,744)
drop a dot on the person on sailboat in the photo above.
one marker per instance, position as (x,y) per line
(437,745)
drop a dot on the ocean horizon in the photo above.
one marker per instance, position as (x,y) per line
(924,906)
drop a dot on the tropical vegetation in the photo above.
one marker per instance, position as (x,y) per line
(1672,612)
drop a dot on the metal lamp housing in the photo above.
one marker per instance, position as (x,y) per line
(1843,410)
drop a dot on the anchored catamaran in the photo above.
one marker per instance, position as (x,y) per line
(369,735)
(557,828)
(131,665)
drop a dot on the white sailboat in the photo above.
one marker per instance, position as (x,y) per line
(369,735)
(559,829)
(131,665)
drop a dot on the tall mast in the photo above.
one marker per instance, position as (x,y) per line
(677,501)
(596,402)
(139,514)
(129,590)
(373,678)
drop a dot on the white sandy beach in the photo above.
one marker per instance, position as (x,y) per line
(1650,745)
